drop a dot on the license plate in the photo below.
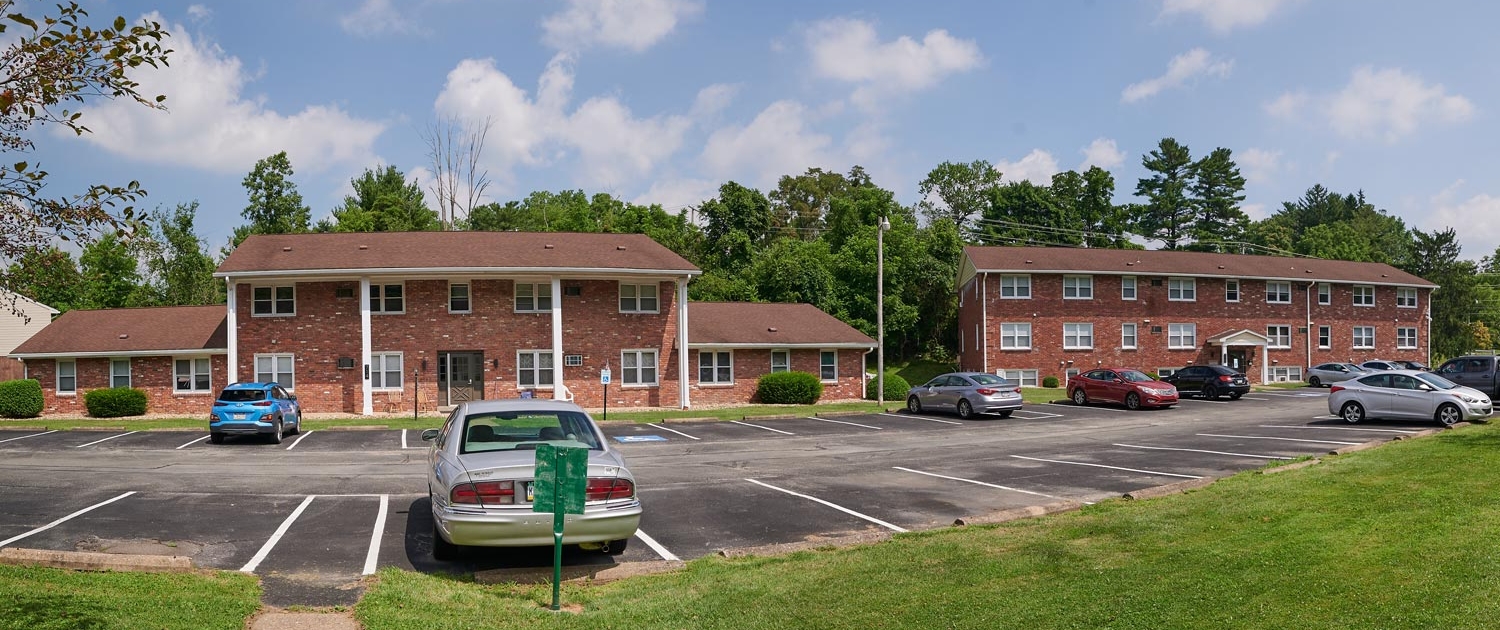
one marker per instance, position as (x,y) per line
(239,416)
(530,492)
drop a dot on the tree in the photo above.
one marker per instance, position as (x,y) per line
(383,201)
(1436,259)
(49,276)
(181,272)
(958,192)
(1026,214)
(794,270)
(800,204)
(109,276)
(738,224)
(1088,200)
(455,150)
(1334,241)
(1215,194)
(275,205)
(1167,213)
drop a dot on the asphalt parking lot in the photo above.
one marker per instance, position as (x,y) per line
(313,514)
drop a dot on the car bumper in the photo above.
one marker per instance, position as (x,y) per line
(991,405)
(1478,411)
(524,528)
(264,423)
(1158,400)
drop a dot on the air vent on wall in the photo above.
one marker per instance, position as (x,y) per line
(1156,282)
(344,293)
(346,363)
(573,291)
(1156,330)
(572,360)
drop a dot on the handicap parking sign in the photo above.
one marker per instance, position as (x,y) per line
(604,376)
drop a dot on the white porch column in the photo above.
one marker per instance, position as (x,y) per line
(559,390)
(1265,364)
(364,345)
(683,399)
(231,371)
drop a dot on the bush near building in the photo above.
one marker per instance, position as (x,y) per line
(895,388)
(115,402)
(789,388)
(21,398)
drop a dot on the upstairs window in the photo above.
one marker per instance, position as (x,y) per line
(1279,336)
(1278,292)
(387,298)
(1127,288)
(1325,293)
(1364,295)
(1078,287)
(1015,287)
(458,297)
(1406,297)
(639,298)
(272,301)
(1182,290)
(1231,290)
(533,298)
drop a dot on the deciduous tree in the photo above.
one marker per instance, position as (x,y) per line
(958,192)
(275,205)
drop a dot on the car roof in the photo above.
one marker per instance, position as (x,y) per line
(250,386)
(518,404)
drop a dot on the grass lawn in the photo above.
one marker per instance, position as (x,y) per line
(1397,537)
(42,599)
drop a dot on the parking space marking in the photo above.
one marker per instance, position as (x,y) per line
(1266,437)
(299,440)
(403,442)
(656,546)
(265,549)
(840,508)
(1197,450)
(1254,398)
(664,428)
(761,427)
(911,417)
(1203,400)
(975,482)
(1089,407)
(1037,415)
(1288,395)
(1148,472)
(27,436)
(106,439)
(64,519)
(374,554)
(852,424)
(1298,426)
(195,441)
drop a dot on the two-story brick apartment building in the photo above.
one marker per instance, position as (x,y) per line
(1034,312)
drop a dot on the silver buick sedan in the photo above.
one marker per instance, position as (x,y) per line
(481,466)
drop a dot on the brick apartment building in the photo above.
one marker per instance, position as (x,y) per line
(1033,312)
(380,322)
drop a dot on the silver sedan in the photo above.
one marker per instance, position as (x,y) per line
(1407,394)
(1321,375)
(482,464)
(966,393)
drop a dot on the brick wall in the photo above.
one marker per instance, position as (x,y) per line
(751,364)
(153,375)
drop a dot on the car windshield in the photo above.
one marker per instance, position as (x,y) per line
(524,430)
(242,395)
(1134,376)
(989,379)
(1436,381)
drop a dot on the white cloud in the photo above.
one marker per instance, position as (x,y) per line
(1388,104)
(778,142)
(675,194)
(376,17)
(849,50)
(199,13)
(1183,68)
(1474,218)
(634,25)
(1224,15)
(713,99)
(614,147)
(1256,211)
(212,125)
(1258,165)
(1037,167)
(1103,153)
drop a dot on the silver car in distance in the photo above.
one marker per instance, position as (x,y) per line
(1407,394)
(481,466)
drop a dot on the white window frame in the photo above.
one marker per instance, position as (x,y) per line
(1069,373)
(274,300)
(1128,289)
(1017,285)
(1014,335)
(1076,334)
(380,367)
(714,367)
(537,370)
(1024,378)
(1406,338)
(1185,289)
(1325,336)
(1082,287)
(1278,336)
(193,374)
(58,386)
(1406,297)
(1185,334)
(537,292)
(1166,371)
(380,298)
(786,364)
(114,375)
(1129,336)
(1232,288)
(637,298)
(1325,294)
(1364,295)
(628,372)
(824,366)
(468,298)
(1270,294)
(1370,337)
(1285,373)
(275,369)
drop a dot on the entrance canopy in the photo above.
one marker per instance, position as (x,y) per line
(1243,338)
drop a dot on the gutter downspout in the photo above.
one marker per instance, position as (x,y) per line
(984,320)
(865,374)
(1307,338)
(232,319)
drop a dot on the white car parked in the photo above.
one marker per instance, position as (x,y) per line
(1407,394)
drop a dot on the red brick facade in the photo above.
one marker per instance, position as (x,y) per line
(751,364)
(153,375)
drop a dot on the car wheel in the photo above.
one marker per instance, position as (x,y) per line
(216,438)
(616,547)
(913,404)
(442,550)
(1079,397)
(1449,415)
(276,433)
(1210,392)
(1132,401)
(1003,414)
(965,410)
(1352,412)
(1315,382)
(1234,395)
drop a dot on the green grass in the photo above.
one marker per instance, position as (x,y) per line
(1397,537)
(1295,385)
(43,599)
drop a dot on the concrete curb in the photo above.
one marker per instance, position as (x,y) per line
(94,561)
(356,427)
(1171,488)
(696,419)
(839,414)
(779,416)
(22,428)
(597,574)
(1015,514)
(1292,466)
(1418,434)
(1357,447)
(867,538)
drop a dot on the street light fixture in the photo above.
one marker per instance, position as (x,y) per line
(880,311)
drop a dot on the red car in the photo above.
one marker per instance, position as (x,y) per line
(1132,388)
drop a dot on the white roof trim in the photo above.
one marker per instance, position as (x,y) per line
(455,271)
(128,353)
(1151,272)
(779,346)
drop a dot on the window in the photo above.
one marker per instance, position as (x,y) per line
(1180,336)
(1127,336)
(1182,290)
(67,377)
(192,375)
(533,298)
(715,367)
(638,367)
(1015,287)
(781,360)
(828,365)
(387,298)
(1325,337)
(1364,295)
(119,373)
(273,301)
(1015,336)
(385,370)
(1364,337)
(1069,373)
(1406,338)
(1285,374)
(1163,372)
(1078,336)
(1078,287)
(1279,336)
(275,368)
(1278,293)
(458,297)
(638,298)
(1406,297)
(1025,378)
(534,368)
(1127,288)
(1231,290)
(1325,293)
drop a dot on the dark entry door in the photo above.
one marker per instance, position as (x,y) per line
(1238,360)
(460,377)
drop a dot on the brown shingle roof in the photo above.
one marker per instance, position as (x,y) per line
(131,331)
(1180,263)
(510,251)
(768,325)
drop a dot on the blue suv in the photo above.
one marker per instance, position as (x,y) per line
(254,408)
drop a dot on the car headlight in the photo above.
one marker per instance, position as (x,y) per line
(1470,399)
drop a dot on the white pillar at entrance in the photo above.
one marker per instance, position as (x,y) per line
(231,371)
(364,345)
(1265,364)
(559,390)
(683,399)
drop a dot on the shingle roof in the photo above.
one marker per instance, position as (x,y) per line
(1179,263)
(769,325)
(131,331)
(479,251)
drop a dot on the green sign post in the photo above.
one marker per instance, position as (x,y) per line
(562,479)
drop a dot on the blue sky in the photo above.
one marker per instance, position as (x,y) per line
(660,101)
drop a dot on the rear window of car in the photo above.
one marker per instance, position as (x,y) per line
(989,379)
(242,395)
(524,430)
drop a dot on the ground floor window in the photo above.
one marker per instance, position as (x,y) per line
(1285,374)
(534,369)
(119,373)
(275,368)
(638,367)
(67,377)
(1069,374)
(828,365)
(193,375)
(1161,372)
(385,370)
(1364,337)
(781,360)
(1025,378)
(715,367)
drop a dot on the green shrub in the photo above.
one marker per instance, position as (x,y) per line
(1050,381)
(895,388)
(789,388)
(115,402)
(21,398)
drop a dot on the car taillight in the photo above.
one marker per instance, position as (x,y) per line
(484,492)
(1225,378)
(1335,388)
(1017,390)
(263,403)
(604,489)
(985,391)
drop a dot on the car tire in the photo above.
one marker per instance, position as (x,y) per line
(965,409)
(1234,395)
(1080,397)
(1132,401)
(1352,412)
(617,547)
(276,432)
(216,438)
(1314,382)
(1210,392)
(442,550)
(1449,415)
(913,404)
(1003,414)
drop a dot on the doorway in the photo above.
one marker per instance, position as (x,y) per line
(460,377)
(1239,359)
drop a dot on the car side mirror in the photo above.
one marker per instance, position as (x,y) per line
(1424,387)
(429,435)
(1119,380)
(291,397)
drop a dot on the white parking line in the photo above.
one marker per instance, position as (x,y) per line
(403,438)
(1298,426)
(195,441)
(27,436)
(1196,450)
(852,424)
(1264,437)
(1149,472)
(656,546)
(1091,406)
(374,554)
(1203,400)
(299,440)
(840,508)
(1288,395)
(747,424)
(664,428)
(1036,415)
(265,549)
(977,483)
(911,417)
(106,439)
(64,519)
(1254,398)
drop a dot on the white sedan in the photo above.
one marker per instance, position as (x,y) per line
(1407,394)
